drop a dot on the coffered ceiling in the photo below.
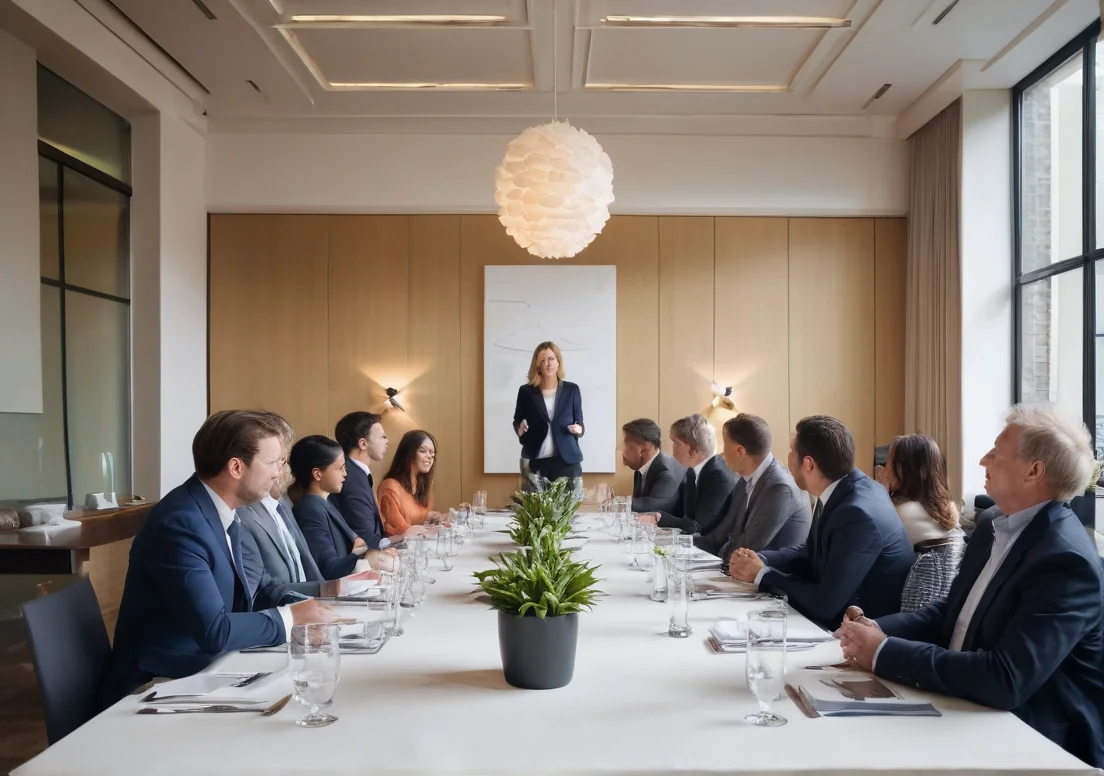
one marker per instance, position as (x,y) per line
(627,65)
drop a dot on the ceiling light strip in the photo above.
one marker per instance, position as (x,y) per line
(744,88)
(393,86)
(434,19)
(800,22)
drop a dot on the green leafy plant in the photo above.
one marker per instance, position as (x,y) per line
(539,580)
(548,511)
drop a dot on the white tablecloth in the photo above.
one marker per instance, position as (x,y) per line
(434,701)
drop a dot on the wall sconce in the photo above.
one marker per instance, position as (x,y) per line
(722,397)
(391,401)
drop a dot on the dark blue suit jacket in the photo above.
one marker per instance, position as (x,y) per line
(1035,644)
(184,601)
(858,553)
(357,504)
(531,408)
(328,535)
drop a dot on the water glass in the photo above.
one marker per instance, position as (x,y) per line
(680,590)
(421,558)
(400,580)
(314,665)
(445,547)
(659,579)
(766,663)
(479,508)
(643,549)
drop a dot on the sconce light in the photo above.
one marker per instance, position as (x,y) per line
(722,397)
(391,401)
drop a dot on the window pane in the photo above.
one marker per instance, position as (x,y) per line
(32,447)
(1098,343)
(1050,181)
(48,218)
(95,221)
(1051,357)
(97,352)
(71,121)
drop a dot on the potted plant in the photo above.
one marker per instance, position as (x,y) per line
(552,509)
(538,592)
(1085,506)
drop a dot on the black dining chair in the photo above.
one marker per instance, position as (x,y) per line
(71,653)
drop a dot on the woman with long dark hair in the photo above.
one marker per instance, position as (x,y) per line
(318,468)
(915,475)
(406,494)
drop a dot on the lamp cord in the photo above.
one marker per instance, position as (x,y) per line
(556,67)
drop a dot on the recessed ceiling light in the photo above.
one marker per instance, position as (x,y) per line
(426,18)
(748,88)
(725,21)
(394,86)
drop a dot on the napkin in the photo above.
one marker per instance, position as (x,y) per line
(734,632)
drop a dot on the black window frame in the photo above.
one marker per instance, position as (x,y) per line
(1084,44)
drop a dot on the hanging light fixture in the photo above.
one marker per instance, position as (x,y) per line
(555,184)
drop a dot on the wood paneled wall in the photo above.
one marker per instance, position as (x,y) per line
(313,316)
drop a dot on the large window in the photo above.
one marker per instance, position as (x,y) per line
(1059,240)
(80,444)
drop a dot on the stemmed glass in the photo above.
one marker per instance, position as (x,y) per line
(400,579)
(766,663)
(314,665)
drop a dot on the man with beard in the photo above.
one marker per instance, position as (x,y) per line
(187,596)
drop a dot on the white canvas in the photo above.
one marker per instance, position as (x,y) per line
(573,306)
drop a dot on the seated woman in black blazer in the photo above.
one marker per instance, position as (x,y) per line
(548,417)
(318,466)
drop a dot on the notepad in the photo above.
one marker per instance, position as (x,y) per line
(860,695)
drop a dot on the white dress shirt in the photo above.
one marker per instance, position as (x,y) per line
(227,516)
(755,475)
(548,446)
(1006,530)
(827,494)
(697,469)
(385,542)
(270,505)
(644,469)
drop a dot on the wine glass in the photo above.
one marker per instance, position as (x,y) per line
(766,663)
(314,665)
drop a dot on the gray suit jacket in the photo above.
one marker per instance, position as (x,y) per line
(259,523)
(777,516)
(660,491)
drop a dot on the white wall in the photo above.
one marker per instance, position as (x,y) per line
(986,241)
(715,175)
(20,317)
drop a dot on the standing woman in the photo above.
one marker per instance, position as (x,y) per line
(405,495)
(548,418)
(318,466)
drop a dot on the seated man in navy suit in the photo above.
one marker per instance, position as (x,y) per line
(362,437)
(857,553)
(1023,626)
(188,595)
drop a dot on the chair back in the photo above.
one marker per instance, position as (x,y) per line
(71,654)
(929,580)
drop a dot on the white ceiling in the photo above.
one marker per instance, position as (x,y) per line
(319,77)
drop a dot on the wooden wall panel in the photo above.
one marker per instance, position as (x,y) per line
(432,398)
(890,273)
(751,341)
(268,305)
(686,323)
(832,325)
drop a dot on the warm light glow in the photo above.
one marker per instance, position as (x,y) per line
(725,21)
(421,18)
(553,190)
(394,86)
(747,88)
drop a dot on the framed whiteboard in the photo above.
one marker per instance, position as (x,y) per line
(573,306)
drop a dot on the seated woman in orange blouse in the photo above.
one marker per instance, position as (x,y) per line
(404,495)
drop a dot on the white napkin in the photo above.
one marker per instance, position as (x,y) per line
(734,632)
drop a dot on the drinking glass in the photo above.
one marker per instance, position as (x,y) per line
(479,507)
(314,665)
(445,547)
(659,579)
(421,558)
(400,579)
(766,663)
(679,592)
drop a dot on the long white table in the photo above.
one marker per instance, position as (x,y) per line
(434,701)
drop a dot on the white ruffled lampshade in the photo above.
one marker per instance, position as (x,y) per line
(553,189)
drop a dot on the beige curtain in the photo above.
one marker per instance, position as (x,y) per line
(933,309)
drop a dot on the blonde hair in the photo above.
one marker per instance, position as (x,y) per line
(1064,447)
(534,365)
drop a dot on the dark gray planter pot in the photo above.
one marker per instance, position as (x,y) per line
(538,654)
